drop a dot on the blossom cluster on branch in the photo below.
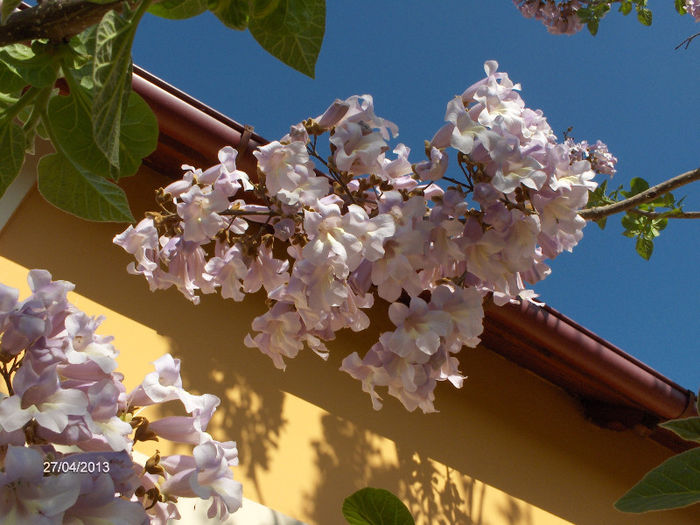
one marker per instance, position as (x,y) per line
(570,16)
(327,236)
(68,425)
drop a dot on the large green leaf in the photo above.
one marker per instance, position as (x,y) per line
(178,9)
(370,506)
(71,130)
(10,82)
(675,483)
(71,127)
(81,193)
(233,13)
(292,31)
(687,428)
(112,81)
(38,67)
(12,145)
(139,136)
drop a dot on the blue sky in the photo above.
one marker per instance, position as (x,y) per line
(627,87)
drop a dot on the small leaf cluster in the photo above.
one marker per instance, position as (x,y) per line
(595,11)
(77,94)
(290,30)
(593,14)
(673,484)
(644,222)
(370,506)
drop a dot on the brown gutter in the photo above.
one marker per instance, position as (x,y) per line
(190,132)
(616,390)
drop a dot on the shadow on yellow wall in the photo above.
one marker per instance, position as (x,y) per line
(506,449)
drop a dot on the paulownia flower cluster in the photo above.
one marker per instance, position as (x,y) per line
(328,236)
(68,426)
(563,18)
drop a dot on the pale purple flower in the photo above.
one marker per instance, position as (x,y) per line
(142,242)
(29,497)
(165,384)
(227,270)
(277,338)
(358,148)
(200,210)
(231,179)
(40,397)
(104,423)
(333,114)
(206,476)
(417,327)
(289,174)
(188,429)
(561,18)
(334,235)
(435,168)
(266,271)
(98,503)
(692,7)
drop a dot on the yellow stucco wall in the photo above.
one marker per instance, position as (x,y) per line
(506,449)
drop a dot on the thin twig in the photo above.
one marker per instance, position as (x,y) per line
(6,375)
(687,41)
(455,181)
(593,214)
(237,213)
(667,215)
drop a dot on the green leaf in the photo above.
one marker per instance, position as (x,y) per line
(626,7)
(12,145)
(10,81)
(644,247)
(602,222)
(675,483)
(262,8)
(637,185)
(139,136)
(585,14)
(81,193)
(600,9)
(71,128)
(659,224)
(233,13)
(593,27)
(178,9)
(644,16)
(292,31)
(666,200)
(38,66)
(7,7)
(112,81)
(370,506)
(687,428)
(630,222)
(680,6)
